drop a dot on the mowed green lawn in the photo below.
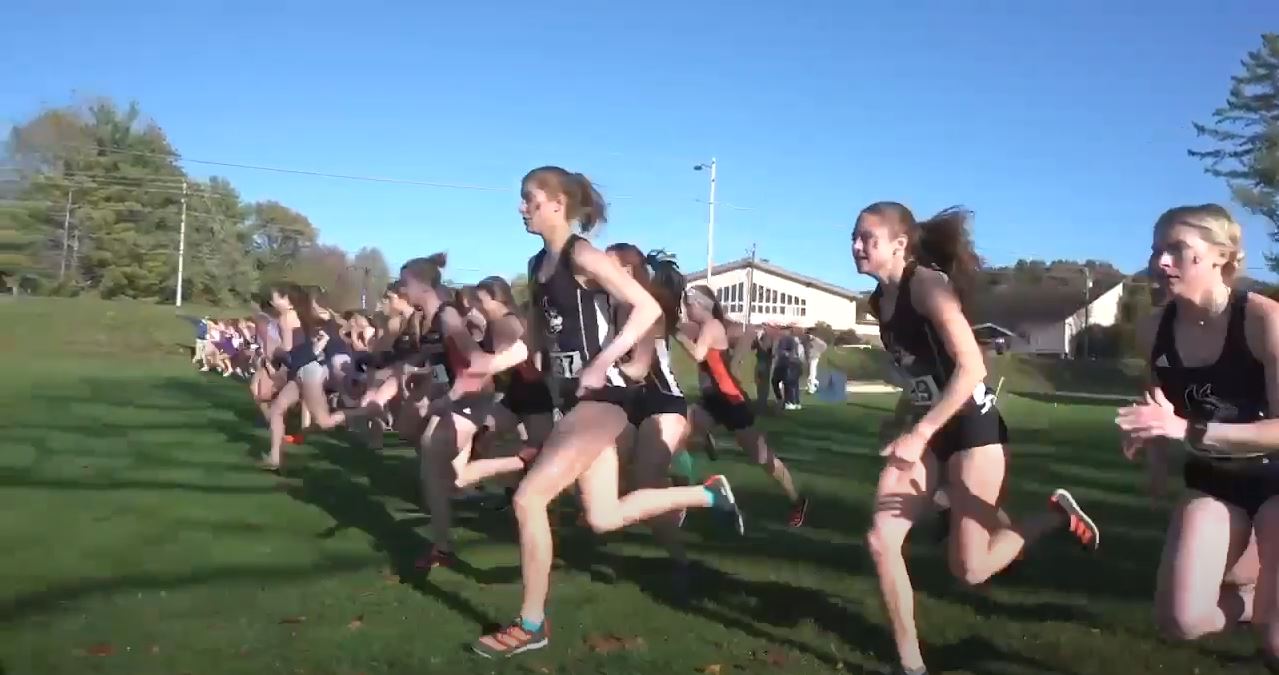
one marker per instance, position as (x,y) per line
(140,539)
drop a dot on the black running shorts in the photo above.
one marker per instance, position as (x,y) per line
(731,414)
(1246,482)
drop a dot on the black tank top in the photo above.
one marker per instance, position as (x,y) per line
(435,350)
(1231,389)
(578,320)
(335,345)
(917,349)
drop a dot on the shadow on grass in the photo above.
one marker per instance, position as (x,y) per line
(352,505)
(26,605)
(757,608)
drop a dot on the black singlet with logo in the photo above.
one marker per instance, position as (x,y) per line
(1231,389)
(578,322)
(918,351)
(433,348)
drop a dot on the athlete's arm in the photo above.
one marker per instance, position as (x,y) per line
(705,340)
(1261,327)
(386,340)
(741,346)
(645,311)
(935,299)
(640,360)
(511,349)
(1156,450)
(288,323)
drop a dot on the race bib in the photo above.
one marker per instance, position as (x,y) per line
(923,391)
(566,365)
(439,374)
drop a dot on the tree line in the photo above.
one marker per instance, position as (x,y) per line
(92,198)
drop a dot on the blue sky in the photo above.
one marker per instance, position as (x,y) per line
(1064,126)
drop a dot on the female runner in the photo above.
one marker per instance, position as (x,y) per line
(922,269)
(1214,358)
(571,283)
(723,397)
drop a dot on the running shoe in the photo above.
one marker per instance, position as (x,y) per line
(1080,525)
(799,512)
(435,557)
(724,500)
(511,640)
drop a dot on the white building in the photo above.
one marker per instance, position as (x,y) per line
(1040,321)
(780,296)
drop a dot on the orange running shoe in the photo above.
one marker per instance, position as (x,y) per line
(1080,525)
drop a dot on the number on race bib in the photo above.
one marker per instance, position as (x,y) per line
(566,365)
(439,374)
(923,390)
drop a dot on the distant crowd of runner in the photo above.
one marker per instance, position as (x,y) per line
(580,378)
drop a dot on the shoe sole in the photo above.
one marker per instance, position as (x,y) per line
(518,650)
(803,517)
(1067,502)
(728,494)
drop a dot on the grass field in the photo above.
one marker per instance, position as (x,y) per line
(139,539)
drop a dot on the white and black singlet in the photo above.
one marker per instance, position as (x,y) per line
(660,394)
(578,322)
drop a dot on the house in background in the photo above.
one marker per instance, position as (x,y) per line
(776,295)
(1045,319)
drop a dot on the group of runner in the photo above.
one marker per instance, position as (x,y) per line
(582,373)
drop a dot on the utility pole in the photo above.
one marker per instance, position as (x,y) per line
(1087,305)
(750,286)
(364,290)
(182,242)
(710,223)
(66,231)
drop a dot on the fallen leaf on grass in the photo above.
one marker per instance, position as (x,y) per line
(605,644)
(101,649)
(293,619)
(389,576)
(773,657)
(712,669)
(356,623)
(155,649)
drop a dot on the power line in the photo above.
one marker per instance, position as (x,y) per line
(300,172)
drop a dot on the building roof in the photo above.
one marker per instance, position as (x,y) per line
(1012,307)
(770,268)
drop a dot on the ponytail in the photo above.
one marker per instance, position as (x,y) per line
(943,242)
(426,270)
(584,203)
(667,286)
(658,274)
